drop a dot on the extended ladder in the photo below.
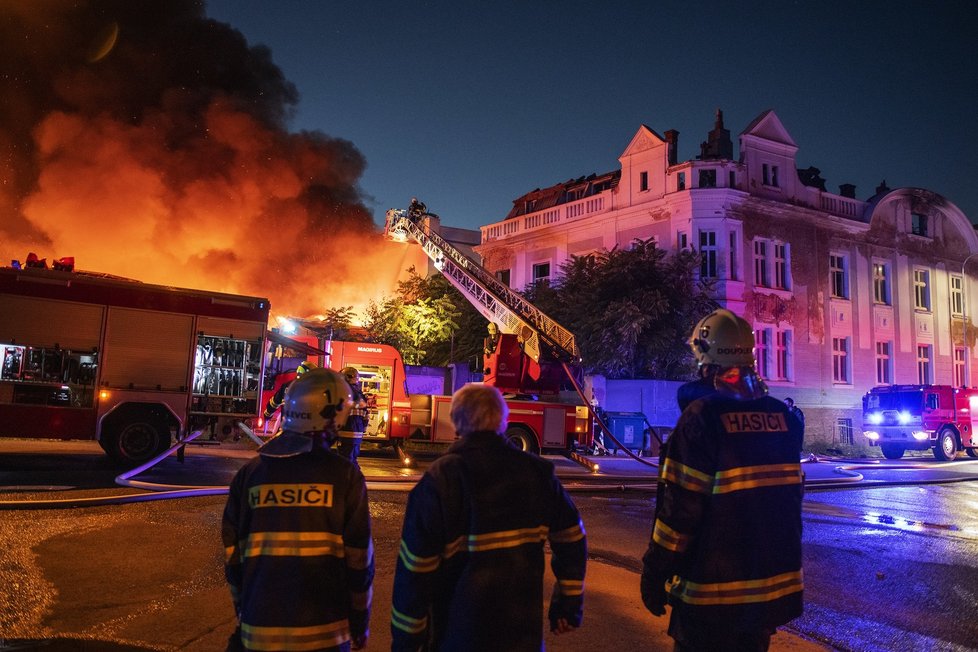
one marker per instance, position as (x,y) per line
(498,303)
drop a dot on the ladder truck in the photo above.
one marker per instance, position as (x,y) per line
(521,358)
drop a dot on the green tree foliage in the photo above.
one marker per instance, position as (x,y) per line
(428,321)
(632,310)
(338,323)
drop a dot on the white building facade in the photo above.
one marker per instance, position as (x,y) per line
(843,294)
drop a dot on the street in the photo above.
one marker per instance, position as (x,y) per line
(887,567)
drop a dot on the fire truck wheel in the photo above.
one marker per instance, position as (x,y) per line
(892,451)
(137,439)
(947,445)
(972,452)
(521,439)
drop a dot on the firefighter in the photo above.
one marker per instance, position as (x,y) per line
(727,535)
(351,433)
(296,531)
(275,402)
(470,570)
(416,209)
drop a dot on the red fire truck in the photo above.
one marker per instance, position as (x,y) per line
(130,364)
(528,354)
(917,417)
(397,416)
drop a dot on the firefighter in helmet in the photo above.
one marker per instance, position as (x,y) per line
(729,513)
(296,495)
(275,402)
(351,433)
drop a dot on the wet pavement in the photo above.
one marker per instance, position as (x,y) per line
(148,576)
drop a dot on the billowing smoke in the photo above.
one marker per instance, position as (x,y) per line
(149,141)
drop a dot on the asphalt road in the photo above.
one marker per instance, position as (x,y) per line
(886,568)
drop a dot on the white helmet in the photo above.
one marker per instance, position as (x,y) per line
(316,401)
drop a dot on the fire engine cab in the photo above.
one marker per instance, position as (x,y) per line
(916,417)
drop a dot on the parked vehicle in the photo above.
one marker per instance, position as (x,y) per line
(916,417)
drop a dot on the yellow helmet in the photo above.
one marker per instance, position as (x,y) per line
(723,339)
(303,367)
(317,401)
(351,374)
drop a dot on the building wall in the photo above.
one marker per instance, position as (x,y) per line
(760,198)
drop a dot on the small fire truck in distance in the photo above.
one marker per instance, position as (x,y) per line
(130,364)
(918,417)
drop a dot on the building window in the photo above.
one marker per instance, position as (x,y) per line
(731,179)
(503,276)
(881,283)
(772,351)
(760,264)
(708,254)
(919,224)
(924,372)
(960,372)
(781,279)
(957,296)
(769,175)
(733,274)
(839,276)
(782,355)
(682,240)
(840,360)
(708,178)
(843,428)
(643,181)
(921,289)
(762,351)
(541,272)
(681,181)
(884,363)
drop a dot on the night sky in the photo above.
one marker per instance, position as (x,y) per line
(468,105)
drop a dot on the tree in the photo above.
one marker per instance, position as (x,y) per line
(631,310)
(428,321)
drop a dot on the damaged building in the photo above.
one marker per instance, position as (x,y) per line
(844,294)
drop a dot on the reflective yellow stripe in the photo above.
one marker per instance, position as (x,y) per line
(571,587)
(417,564)
(230,556)
(292,544)
(359,558)
(752,477)
(506,538)
(742,591)
(407,623)
(314,637)
(686,477)
(361,599)
(668,538)
(570,535)
(453,547)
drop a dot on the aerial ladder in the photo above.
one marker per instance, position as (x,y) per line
(542,338)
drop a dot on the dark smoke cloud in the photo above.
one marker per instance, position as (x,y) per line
(152,142)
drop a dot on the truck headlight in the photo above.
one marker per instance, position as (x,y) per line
(874,418)
(872,435)
(920,435)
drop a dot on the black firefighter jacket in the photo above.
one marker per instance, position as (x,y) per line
(471,564)
(299,554)
(729,522)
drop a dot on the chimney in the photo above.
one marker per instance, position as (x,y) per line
(880,189)
(672,144)
(847,190)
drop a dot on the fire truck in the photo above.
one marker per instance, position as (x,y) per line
(916,417)
(129,364)
(528,354)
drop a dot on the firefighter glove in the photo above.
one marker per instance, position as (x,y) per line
(654,594)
